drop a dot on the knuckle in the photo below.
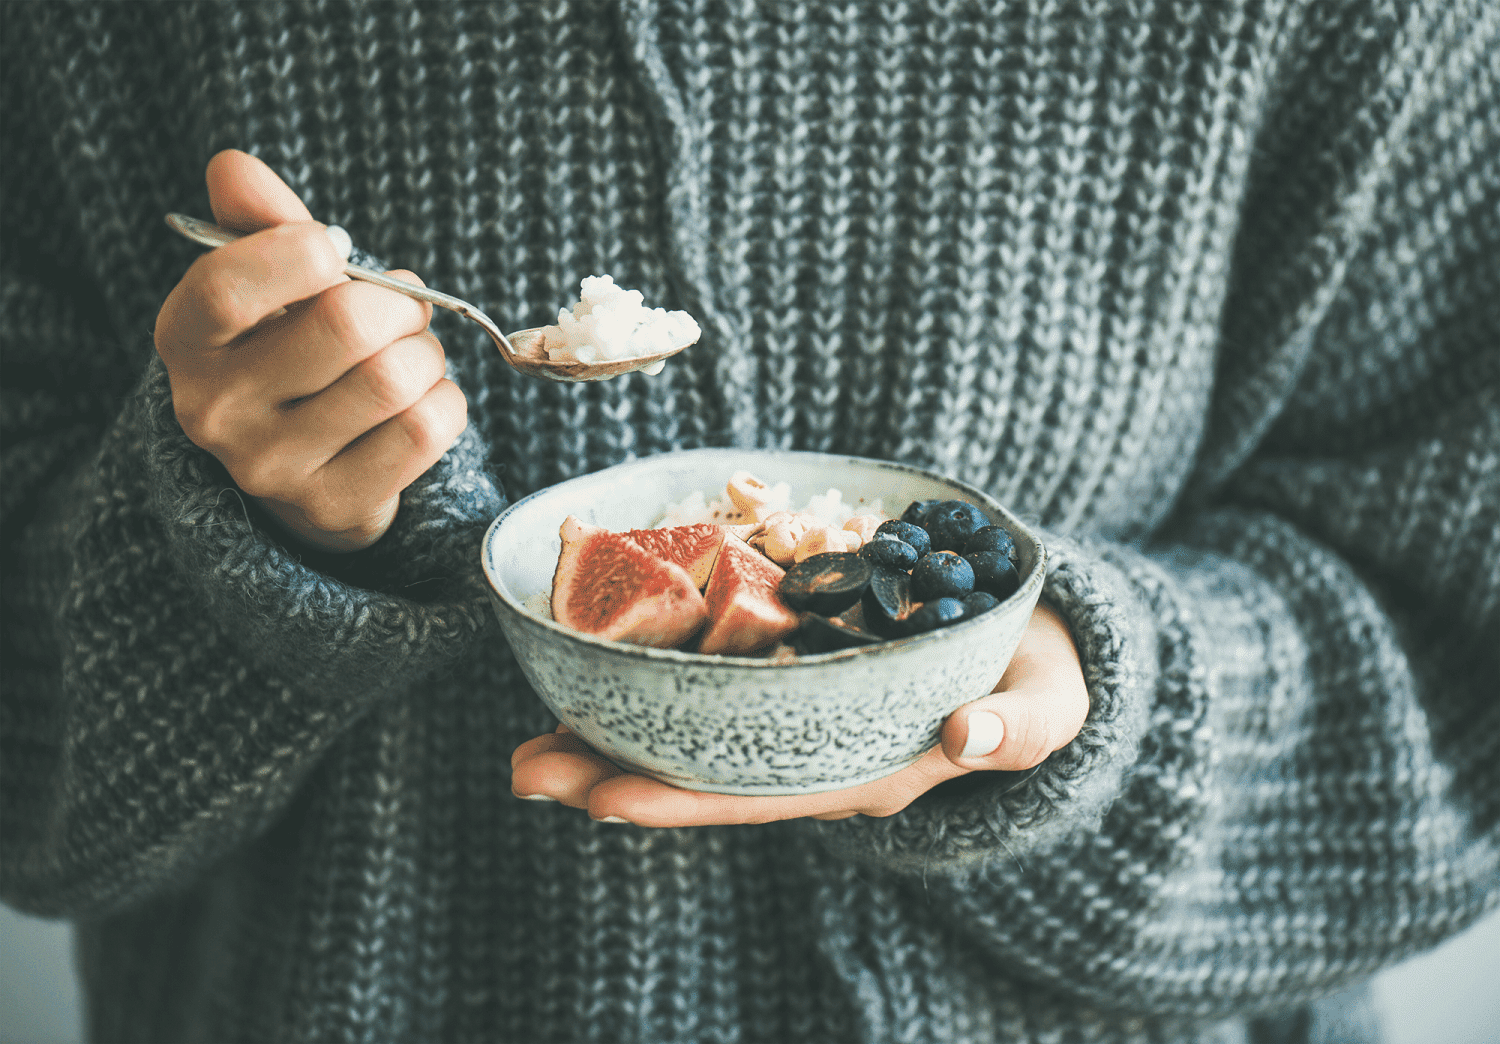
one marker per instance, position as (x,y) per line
(225,297)
(350,321)
(400,375)
(325,512)
(207,421)
(311,250)
(262,477)
(436,419)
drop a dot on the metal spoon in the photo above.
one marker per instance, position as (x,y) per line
(525,350)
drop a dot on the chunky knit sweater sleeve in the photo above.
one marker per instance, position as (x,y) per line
(204,664)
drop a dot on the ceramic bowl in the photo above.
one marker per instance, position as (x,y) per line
(740,725)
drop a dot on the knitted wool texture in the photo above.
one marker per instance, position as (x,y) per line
(1206,289)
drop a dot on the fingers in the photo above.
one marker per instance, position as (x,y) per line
(246,195)
(349,503)
(561,767)
(315,346)
(390,457)
(232,289)
(1039,706)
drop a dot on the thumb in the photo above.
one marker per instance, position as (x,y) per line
(1038,707)
(247,196)
(1007,731)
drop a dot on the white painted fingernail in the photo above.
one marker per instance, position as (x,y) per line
(986,730)
(536,797)
(611,819)
(341,241)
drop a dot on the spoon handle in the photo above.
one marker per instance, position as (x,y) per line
(210,235)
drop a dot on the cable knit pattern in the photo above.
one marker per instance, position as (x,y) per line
(1205,290)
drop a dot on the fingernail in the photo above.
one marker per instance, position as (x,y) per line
(986,730)
(535,797)
(341,241)
(611,819)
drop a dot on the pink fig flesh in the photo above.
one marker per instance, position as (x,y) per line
(608,585)
(744,613)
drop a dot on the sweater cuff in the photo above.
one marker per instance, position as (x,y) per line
(1004,814)
(350,623)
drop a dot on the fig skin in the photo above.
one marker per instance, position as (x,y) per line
(826,584)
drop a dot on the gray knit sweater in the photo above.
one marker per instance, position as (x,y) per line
(1207,289)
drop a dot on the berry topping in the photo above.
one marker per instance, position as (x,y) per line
(889,553)
(993,573)
(942,574)
(952,523)
(907,533)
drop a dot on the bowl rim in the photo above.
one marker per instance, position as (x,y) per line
(1033,579)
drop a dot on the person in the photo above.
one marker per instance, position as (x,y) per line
(1207,290)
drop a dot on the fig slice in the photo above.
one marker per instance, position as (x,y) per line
(695,547)
(606,584)
(744,614)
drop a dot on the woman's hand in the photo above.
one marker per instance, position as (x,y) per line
(323,397)
(1038,707)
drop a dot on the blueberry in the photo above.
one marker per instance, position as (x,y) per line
(916,511)
(994,574)
(991,538)
(888,602)
(940,612)
(820,634)
(907,533)
(826,584)
(979,602)
(941,574)
(889,553)
(952,522)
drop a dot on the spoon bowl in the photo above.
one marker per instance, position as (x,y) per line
(524,351)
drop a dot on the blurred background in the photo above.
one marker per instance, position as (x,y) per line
(1448,996)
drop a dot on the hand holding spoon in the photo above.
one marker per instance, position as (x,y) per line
(524,350)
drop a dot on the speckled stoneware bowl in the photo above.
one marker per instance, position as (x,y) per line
(739,725)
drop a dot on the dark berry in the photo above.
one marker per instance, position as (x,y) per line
(907,533)
(888,602)
(940,612)
(827,583)
(991,538)
(916,511)
(889,553)
(979,602)
(820,634)
(941,574)
(952,522)
(994,574)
